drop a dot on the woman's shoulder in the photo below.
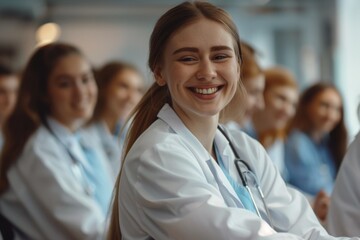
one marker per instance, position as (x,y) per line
(40,147)
(159,133)
(41,138)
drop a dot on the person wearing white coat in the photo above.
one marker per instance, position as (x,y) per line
(344,211)
(179,179)
(185,199)
(55,182)
(121,87)
(48,198)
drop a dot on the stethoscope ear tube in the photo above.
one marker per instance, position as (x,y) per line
(237,163)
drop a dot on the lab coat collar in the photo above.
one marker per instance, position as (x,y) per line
(71,141)
(64,135)
(168,115)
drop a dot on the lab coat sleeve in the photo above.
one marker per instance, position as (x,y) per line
(344,212)
(175,201)
(53,197)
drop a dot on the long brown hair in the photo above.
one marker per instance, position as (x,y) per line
(146,111)
(31,107)
(301,121)
(104,77)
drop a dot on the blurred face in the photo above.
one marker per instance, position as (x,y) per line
(255,97)
(280,105)
(72,91)
(325,111)
(201,70)
(8,92)
(123,93)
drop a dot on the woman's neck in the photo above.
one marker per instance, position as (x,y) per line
(204,131)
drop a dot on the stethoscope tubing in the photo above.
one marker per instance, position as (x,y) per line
(244,181)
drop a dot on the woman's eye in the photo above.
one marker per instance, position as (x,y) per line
(87,78)
(220,57)
(63,82)
(187,59)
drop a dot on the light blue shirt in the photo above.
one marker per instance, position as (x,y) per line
(310,165)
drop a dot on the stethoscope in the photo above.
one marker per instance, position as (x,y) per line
(76,168)
(244,179)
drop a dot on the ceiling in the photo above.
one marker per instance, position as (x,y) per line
(35,9)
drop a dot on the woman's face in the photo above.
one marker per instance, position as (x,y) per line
(255,97)
(280,105)
(72,91)
(325,111)
(123,93)
(201,69)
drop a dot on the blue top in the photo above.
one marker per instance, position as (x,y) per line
(241,191)
(310,165)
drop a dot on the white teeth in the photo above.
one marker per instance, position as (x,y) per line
(206,91)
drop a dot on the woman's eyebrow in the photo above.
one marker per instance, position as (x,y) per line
(192,49)
(186,49)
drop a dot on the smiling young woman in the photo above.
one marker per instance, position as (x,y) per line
(179,178)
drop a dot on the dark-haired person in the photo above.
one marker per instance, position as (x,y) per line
(316,142)
(54,182)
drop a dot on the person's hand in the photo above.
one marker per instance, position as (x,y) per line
(321,205)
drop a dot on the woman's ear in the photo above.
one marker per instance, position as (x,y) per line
(159,77)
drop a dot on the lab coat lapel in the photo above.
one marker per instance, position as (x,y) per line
(168,115)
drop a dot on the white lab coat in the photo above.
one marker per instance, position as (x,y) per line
(46,200)
(168,190)
(344,212)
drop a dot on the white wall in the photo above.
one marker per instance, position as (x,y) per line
(347,59)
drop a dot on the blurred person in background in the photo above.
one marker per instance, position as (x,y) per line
(54,182)
(268,124)
(316,143)
(238,114)
(9,84)
(121,87)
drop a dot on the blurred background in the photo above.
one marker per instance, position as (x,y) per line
(315,39)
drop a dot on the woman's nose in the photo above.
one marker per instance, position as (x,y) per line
(206,71)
